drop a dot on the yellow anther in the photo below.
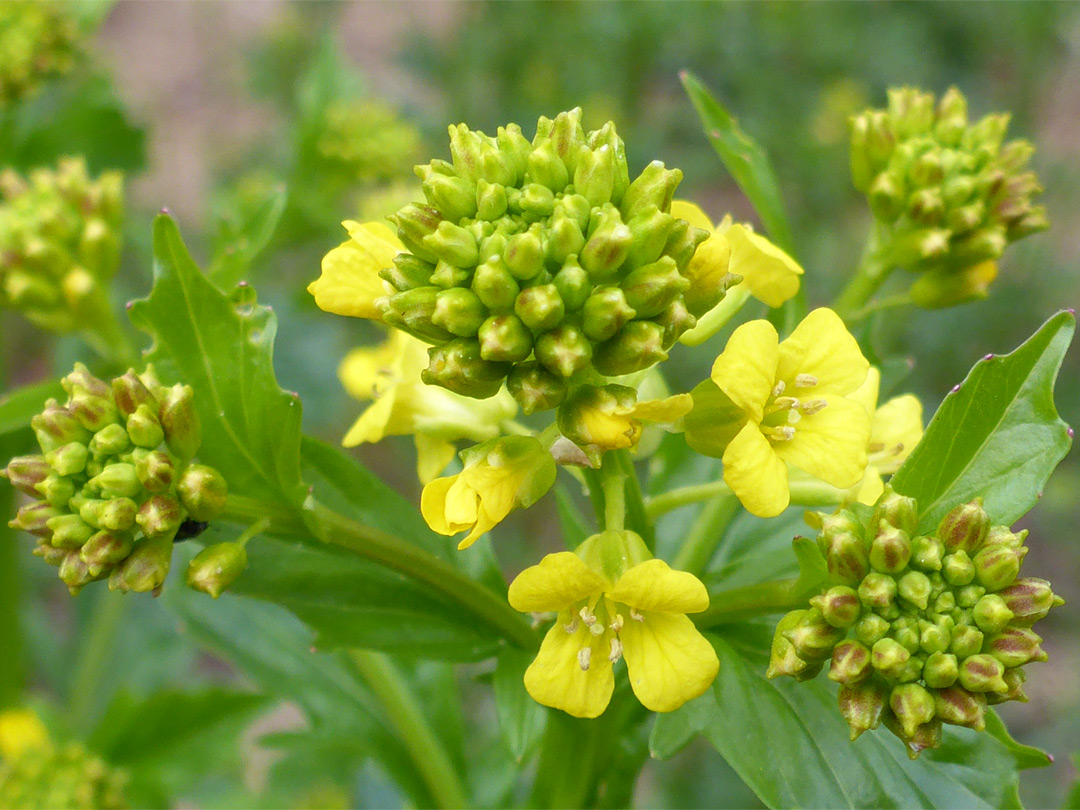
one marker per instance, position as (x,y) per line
(616,650)
(584,656)
(778,389)
(812,406)
(571,627)
(617,622)
(805,380)
(587,616)
(637,617)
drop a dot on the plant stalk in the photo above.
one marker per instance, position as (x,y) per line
(749,601)
(803,493)
(706,534)
(871,273)
(94,659)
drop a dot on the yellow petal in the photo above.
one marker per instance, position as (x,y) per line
(462,506)
(871,487)
(350,283)
(432,456)
(897,428)
(374,423)
(608,430)
(665,411)
(771,275)
(822,347)
(558,581)
(669,662)
(21,730)
(556,678)
(714,421)
(831,444)
(684,209)
(364,372)
(746,370)
(653,585)
(755,473)
(433,506)
(867,393)
(484,524)
(377,239)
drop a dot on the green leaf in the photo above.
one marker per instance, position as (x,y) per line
(19,406)
(244,236)
(224,350)
(997,436)
(789,743)
(744,158)
(1026,756)
(521,719)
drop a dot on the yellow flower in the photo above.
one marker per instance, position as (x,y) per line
(610,417)
(350,283)
(638,615)
(768,273)
(389,374)
(769,404)
(896,428)
(20,731)
(500,475)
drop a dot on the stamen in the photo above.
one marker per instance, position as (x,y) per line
(617,622)
(616,650)
(786,402)
(571,627)
(793,417)
(778,389)
(779,434)
(898,449)
(875,447)
(812,406)
(584,656)
(596,629)
(587,616)
(805,380)
(637,617)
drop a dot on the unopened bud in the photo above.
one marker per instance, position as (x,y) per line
(57,426)
(524,255)
(104,550)
(414,224)
(783,659)
(81,382)
(912,705)
(183,433)
(959,707)
(846,555)
(877,591)
(890,550)
(958,569)
(69,531)
(886,196)
(144,428)
(160,517)
(117,514)
(155,471)
(146,567)
(862,705)
(129,393)
(504,338)
(216,567)
(850,662)
(56,489)
(896,510)
(996,567)
(573,284)
(914,587)
(607,247)
(536,201)
(969,595)
(888,656)
(870,629)
(926,206)
(111,440)
(565,239)
(69,459)
(1014,682)
(118,481)
(682,245)
(933,638)
(534,388)
(991,613)
(676,320)
(494,285)
(1016,646)
(650,228)
(966,640)
(635,347)
(594,175)
(982,673)
(839,605)
(34,518)
(605,312)
(652,288)
(1029,599)
(26,472)
(564,350)
(455,197)
(74,572)
(458,367)
(540,308)
(453,244)
(813,637)
(546,167)
(93,412)
(965,527)
(941,670)
(202,491)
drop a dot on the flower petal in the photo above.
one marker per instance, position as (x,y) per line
(433,506)
(484,524)
(755,473)
(350,283)
(665,411)
(432,456)
(668,660)
(714,421)
(871,487)
(867,393)
(555,583)
(556,678)
(897,427)
(366,371)
(746,370)
(653,585)
(771,275)
(374,423)
(692,213)
(831,444)
(377,239)
(822,347)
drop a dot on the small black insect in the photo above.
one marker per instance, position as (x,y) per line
(189,529)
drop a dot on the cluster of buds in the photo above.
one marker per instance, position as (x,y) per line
(951,195)
(367,141)
(61,776)
(37,41)
(918,630)
(540,263)
(59,243)
(116,480)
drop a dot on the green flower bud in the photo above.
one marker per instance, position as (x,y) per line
(117,514)
(784,660)
(1029,599)
(547,168)
(536,201)
(146,567)
(945,602)
(573,284)
(928,735)
(159,518)
(959,707)
(34,518)
(997,567)
(676,320)
(491,202)
(887,197)
(655,186)
(906,630)
(459,311)
(812,637)
(683,242)
(524,255)
(56,427)
(129,393)
(494,285)
(594,175)
(540,308)
(216,567)
(111,440)
(911,111)
(912,705)
(991,614)
(850,662)
(155,471)
(566,239)
(893,509)
(966,640)
(183,432)
(69,531)
(845,552)
(877,591)
(839,605)
(74,572)
(504,338)
(144,428)
(453,244)
(89,509)
(888,656)
(890,550)
(564,351)
(870,629)
(914,587)
(104,550)
(651,229)
(93,412)
(635,347)
(1014,681)
(862,705)
(70,459)
(607,136)
(933,638)
(458,367)
(1016,646)
(534,388)
(118,481)
(607,247)
(926,207)
(56,489)
(415,223)
(454,196)
(605,312)
(969,595)
(651,289)
(927,553)
(1002,535)
(202,491)
(958,569)
(941,670)
(982,673)
(26,472)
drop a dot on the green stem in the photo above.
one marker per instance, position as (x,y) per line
(94,660)
(410,726)
(749,601)
(871,273)
(613,483)
(716,318)
(803,493)
(11,641)
(391,551)
(565,776)
(706,534)
(636,517)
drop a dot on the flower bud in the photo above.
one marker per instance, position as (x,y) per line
(887,197)
(566,239)
(651,229)
(1002,535)
(534,388)
(155,471)
(845,552)
(966,640)
(69,531)
(144,428)
(839,605)
(104,550)
(914,587)
(969,595)
(784,660)
(982,673)
(607,247)
(118,481)
(905,629)
(546,167)
(81,382)
(890,550)
(877,591)
(504,338)
(870,629)
(74,572)
(958,569)
(117,514)
(941,670)
(959,707)
(458,367)
(912,705)
(56,489)
(524,255)
(129,393)
(1016,646)
(183,433)
(997,567)
(146,567)
(415,223)
(655,186)
(652,288)
(862,705)
(850,662)
(453,244)
(540,308)
(635,347)
(159,518)
(893,509)
(455,197)
(494,285)
(573,284)
(991,614)
(216,567)
(933,638)
(594,175)
(927,553)
(70,459)
(93,412)
(34,518)
(26,472)
(1029,599)
(888,656)
(111,440)
(812,637)
(202,491)
(564,350)
(926,207)
(1014,681)
(605,312)
(56,426)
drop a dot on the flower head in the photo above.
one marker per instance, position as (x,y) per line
(613,602)
(500,475)
(769,404)
(896,428)
(403,405)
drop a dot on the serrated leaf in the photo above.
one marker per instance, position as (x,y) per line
(521,719)
(19,406)
(1026,756)
(998,436)
(224,350)
(789,743)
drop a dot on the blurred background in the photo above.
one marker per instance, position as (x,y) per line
(223,103)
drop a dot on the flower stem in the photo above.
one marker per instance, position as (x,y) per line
(716,318)
(403,710)
(871,273)
(389,550)
(749,601)
(11,641)
(613,483)
(803,493)
(94,660)
(706,534)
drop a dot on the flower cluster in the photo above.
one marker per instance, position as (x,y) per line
(37,41)
(950,194)
(918,630)
(59,244)
(366,140)
(117,482)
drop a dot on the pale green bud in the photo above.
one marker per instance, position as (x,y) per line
(914,587)
(111,440)
(888,656)
(155,471)
(146,567)
(180,421)
(607,247)
(546,167)
(784,660)
(415,223)
(1016,646)
(504,338)
(564,351)
(635,347)
(494,285)
(26,472)
(459,311)
(652,288)
(850,662)
(812,637)
(991,613)
(964,527)
(862,705)
(870,629)
(966,640)
(216,567)
(34,518)
(144,428)
(839,605)
(160,517)
(912,705)
(534,388)
(890,550)
(573,284)
(104,550)
(1029,599)
(458,367)
(997,567)
(655,186)
(70,459)
(69,531)
(118,481)
(540,308)
(524,256)
(129,393)
(606,312)
(958,569)
(594,175)
(93,412)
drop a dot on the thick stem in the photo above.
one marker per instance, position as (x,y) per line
(706,534)
(871,273)
(613,482)
(636,518)
(749,601)
(565,776)
(393,552)
(94,660)
(410,726)
(803,493)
